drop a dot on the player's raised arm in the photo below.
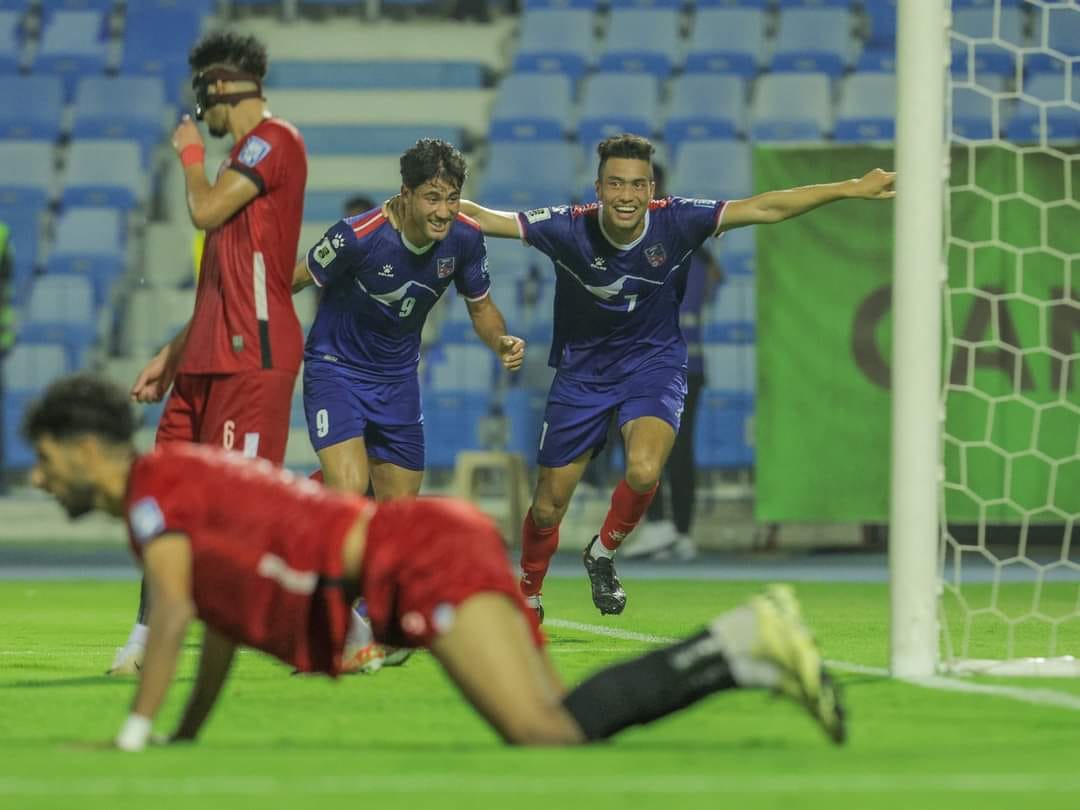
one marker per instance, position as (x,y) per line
(500,224)
(776,206)
(167,563)
(210,205)
(214,664)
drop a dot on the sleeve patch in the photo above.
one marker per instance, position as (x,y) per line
(704,203)
(537,215)
(146,519)
(324,253)
(255,149)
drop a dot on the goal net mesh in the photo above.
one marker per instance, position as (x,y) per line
(1010,496)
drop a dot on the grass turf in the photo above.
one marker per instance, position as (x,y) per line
(403,738)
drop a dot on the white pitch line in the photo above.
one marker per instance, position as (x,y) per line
(1037,697)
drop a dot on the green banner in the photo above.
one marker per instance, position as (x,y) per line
(1012,330)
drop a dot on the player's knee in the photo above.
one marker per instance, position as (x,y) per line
(642,472)
(547,513)
(345,479)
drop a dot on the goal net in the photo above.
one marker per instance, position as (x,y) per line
(1010,496)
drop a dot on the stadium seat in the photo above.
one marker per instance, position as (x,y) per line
(156,42)
(535,5)
(974,24)
(614,103)
(509,261)
(877,60)
(881,24)
(24,226)
(867,108)
(451,424)
(1062,114)
(326,206)
(49,7)
(641,41)
(524,408)
(529,173)
(26,173)
(791,107)
(166,256)
(972,112)
(724,435)
(532,106)
(10,41)
(727,40)
(28,369)
(556,40)
(61,310)
(813,41)
(36,110)
(705,106)
(154,316)
(398,74)
(72,46)
(139,118)
(712,170)
(372,139)
(104,173)
(90,242)
(736,251)
(202,7)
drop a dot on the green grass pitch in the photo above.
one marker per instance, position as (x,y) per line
(403,738)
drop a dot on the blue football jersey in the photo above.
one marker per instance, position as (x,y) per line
(617,306)
(378,290)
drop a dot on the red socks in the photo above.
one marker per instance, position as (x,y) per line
(537,548)
(627,507)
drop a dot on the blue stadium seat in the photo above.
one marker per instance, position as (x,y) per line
(760,5)
(712,170)
(976,24)
(156,43)
(104,173)
(786,4)
(614,103)
(373,139)
(957,5)
(727,40)
(49,7)
(61,310)
(36,110)
(532,106)
(557,40)
(90,242)
(524,408)
(791,107)
(881,19)
(24,225)
(813,41)
(878,59)
(867,108)
(139,118)
(528,174)
(17,6)
(536,5)
(26,173)
(973,111)
(10,42)
(645,41)
(723,438)
(399,74)
(509,261)
(451,422)
(326,206)
(27,370)
(72,46)
(202,7)
(705,106)
(736,251)
(1062,114)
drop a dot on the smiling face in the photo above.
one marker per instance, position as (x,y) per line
(430,210)
(624,187)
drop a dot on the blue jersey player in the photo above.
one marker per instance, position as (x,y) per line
(620,267)
(361,388)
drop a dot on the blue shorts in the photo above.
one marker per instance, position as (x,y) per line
(578,411)
(341,403)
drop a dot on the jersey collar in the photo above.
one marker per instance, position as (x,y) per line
(612,242)
(419,251)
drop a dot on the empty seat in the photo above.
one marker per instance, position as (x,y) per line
(532,106)
(104,173)
(100,6)
(167,256)
(10,42)
(867,108)
(90,242)
(724,435)
(372,139)
(61,310)
(984,40)
(813,41)
(156,43)
(705,106)
(712,170)
(32,366)
(727,41)
(72,46)
(154,316)
(26,173)
(35,109)
(642,41)
(529,173)
(614,103)
(736,251)
(24,227)
(451,424)
(791,107)
(1050,115)
(556,40)
(325,206)
(139,118)
(881,24)
(973,111)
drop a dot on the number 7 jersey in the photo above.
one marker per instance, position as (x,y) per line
(379,289)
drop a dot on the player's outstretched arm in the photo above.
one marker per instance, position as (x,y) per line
(776,206)
(500,224)
(301,276)
(490,327)
(214,664)
(210,205)
(167,564)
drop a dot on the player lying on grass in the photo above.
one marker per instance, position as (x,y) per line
(621,266)
(274,562)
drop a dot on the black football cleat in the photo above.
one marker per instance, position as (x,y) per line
(607,592)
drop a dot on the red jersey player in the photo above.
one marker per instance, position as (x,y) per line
(233,368)
(273,562)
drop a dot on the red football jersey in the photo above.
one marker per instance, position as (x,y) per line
(264,543)
(244,317)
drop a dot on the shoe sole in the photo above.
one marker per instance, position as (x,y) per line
(612,608)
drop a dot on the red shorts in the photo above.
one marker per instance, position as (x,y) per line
(248,412)
(423,558)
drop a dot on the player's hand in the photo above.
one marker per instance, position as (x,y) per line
(186,134)
(511,352)
(154,380)
(391,209)
(877,184)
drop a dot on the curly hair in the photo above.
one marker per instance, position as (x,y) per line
(78,405)
(625,145)
(238,51)
(433,159)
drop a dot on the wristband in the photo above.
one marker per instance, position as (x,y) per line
(190,155)
(134,734)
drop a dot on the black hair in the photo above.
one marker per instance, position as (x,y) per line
(357,204)
(79,405)
(659,174)
(433,159)
(625,145)
(240,52)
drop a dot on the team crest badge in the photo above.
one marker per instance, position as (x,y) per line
(656,255)
(445,266)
